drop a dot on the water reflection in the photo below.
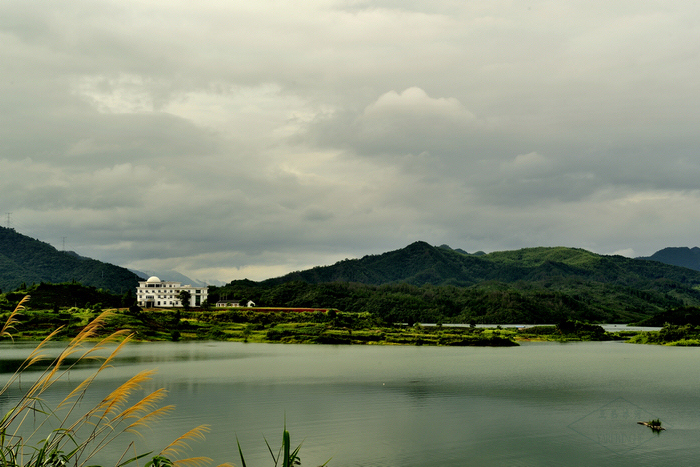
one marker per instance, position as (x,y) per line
(427,406)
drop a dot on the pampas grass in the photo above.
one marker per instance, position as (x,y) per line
(80,437)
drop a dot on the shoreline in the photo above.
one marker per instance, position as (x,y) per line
(314,327)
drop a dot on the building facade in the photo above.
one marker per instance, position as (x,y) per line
(164,294)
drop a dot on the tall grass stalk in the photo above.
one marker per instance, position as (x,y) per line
(80,436)
(285,454)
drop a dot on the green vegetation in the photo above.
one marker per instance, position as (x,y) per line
(392,323)
(185,296)
(545,301)
(67,294)
(670,334)
(285,453)
(24,260)
(421,283)
(68,434)
(678,256)
(401,335)
(293,325)
(420,263)
(249,325)
(567,331)
(51,308)
(679,326)
(678,316)
(397,309)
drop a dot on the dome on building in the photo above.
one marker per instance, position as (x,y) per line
(153,279)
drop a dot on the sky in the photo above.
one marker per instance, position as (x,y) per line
(247,139)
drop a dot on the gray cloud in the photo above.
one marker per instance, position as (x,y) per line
(234,139)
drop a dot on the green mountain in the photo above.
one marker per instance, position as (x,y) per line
(24,260)
(532,285)
(417,283)
(420,263)
(46,296)
(677,256)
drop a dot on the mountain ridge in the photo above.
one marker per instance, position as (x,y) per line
(422,283)
(419,282)
(420,263)
(677,256)
(27,260)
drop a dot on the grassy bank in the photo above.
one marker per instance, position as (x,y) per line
(282,325)
(670,334)
(256,325)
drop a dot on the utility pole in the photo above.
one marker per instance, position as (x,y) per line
(8,219)
(63,239)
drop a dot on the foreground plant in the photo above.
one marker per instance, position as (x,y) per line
(285,454)
(81,436)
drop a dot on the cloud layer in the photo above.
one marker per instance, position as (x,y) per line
(247,139)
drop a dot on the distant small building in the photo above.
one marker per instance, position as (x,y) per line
(156,293)
(224,303)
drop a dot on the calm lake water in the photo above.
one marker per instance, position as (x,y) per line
(540,404)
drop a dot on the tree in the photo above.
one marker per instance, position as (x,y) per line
(128,299)
(185,297)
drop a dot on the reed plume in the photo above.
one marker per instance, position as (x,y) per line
(77,443)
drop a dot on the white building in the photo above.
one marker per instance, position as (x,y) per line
(156,293)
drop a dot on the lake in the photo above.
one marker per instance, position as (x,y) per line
(539,404)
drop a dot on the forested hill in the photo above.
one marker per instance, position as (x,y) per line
(532,285)
(677,256)
(421,263)
(26,260)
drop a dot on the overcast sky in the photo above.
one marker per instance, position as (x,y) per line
(232,139)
